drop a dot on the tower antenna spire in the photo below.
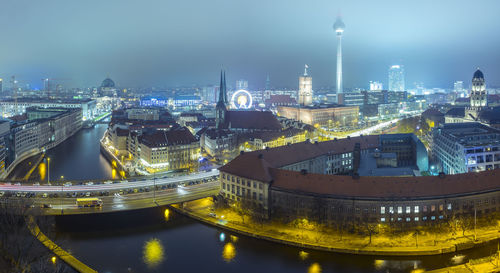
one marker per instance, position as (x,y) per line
(305,70)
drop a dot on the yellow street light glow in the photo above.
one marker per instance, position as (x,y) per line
(167,214)
(303,255)
(153,253)
(314,268)
(53,259)
(229,252)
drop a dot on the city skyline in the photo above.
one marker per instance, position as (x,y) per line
(147,47)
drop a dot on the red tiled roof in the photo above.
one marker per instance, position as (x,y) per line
(264,166)
(167,138)
(386,187)
(262,120)
(249,164)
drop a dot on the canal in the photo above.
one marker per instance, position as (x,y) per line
(151,241)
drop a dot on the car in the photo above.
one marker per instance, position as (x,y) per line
(106,193)
(89,183)
(74,194)
(120,192)
(146,189)
(2,193)
(87,194)
(141,190)
(68,195)
(82,194)
(36,184)
(136,190)
(55,195)
(108,182)
(17,184)
(211,214)
(46,206)
(29,206)
(45,195)
(68,184)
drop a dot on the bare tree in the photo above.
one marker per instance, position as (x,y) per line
(20,251)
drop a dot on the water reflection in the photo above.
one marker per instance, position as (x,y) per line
(167,214)
(229,252)
(42,170)
(153,253)
(303,255)
(314,268)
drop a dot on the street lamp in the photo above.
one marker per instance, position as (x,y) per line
(154,187)
(62,193)
(48,170)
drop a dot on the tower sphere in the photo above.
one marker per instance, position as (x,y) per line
(339,26)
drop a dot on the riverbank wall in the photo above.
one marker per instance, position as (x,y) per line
(482,239)
(113,160)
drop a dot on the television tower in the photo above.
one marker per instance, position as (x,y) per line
(339,27)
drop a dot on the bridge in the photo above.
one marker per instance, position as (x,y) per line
(120,196)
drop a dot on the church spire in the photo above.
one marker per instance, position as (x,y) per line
(221,107)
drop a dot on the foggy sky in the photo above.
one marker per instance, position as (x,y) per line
(173,43)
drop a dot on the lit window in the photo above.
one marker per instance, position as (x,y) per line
(382,210)
(400,210)
(399,219)
(416,209)
(382,219)
(449,206)
(416,219)
(408,219)
(433,208)
(441,207)
(424,218)
(391,210)
(433,218)
(408,209)
(441,216)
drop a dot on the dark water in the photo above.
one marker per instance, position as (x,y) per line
(146,241)
(79,157)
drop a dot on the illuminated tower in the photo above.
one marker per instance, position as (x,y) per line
(478,96)
(396,78)
(305,88)
(220,108)
(339,27)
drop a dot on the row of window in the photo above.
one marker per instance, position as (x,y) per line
(408,219)
(414,209)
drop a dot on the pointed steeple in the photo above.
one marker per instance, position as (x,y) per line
(225,90)
(221,107)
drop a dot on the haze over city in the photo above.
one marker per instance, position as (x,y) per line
(178,43)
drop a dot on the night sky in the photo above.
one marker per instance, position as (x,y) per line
(173,43)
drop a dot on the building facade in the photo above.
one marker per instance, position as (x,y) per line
(290,183)
(466,147)
(396,78)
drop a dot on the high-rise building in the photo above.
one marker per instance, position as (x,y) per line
(339,27)
(396,78)
(376,86)
(305,89)
(241,84)
(458,86)
(1,85)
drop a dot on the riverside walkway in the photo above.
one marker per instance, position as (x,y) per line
(54,248)
(303,238)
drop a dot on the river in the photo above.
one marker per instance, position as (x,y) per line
(148,241)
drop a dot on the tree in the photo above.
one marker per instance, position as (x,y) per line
(20,251)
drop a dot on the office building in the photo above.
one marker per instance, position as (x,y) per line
(466,147)
(397,78)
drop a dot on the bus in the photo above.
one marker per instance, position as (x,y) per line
(88,202)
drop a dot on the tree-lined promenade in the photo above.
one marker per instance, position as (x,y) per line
(446,237)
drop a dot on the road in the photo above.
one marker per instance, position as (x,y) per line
(113,187)
(117,202)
